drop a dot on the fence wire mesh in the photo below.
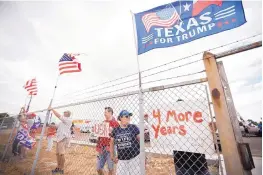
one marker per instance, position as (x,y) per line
(179,131)
(177,134)
(8,125)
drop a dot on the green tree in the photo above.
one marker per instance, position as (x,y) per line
(253,122)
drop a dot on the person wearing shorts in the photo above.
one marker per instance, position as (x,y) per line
(63,134)
(127,139)
(103,144)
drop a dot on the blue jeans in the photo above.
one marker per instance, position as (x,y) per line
(102,158)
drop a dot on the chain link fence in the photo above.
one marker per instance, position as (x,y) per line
(176,134)
(178,137)
(7,131)
(14,156)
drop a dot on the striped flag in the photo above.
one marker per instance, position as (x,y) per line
(166,17)
(200,5)
(69,64)
(31,86)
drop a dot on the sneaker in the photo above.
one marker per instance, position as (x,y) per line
(56,170)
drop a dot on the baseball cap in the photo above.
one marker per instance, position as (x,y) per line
(125,113)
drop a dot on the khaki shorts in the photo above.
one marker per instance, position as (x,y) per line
(61,146)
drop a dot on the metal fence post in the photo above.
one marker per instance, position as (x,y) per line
(141,126)
(40,143)
(9,140)
(43,131)
(3,121)
(227,136)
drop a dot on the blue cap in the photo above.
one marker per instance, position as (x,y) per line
(125,113)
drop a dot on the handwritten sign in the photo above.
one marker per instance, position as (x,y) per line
(180,128)
(102,129)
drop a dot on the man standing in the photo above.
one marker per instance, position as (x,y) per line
(103,144)
(63,134)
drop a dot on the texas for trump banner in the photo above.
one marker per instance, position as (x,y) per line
(184,21)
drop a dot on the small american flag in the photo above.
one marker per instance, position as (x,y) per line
(31,86)
(166,17)
(69,64)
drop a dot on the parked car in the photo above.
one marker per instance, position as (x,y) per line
(3,127)
(85,129)
(146,135)
(249,129)
(93,138)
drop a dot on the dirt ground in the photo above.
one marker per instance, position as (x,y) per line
(80,160)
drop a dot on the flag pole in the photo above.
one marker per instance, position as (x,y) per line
(25,101)
(50,118)
(43,131)
(141,110)
(28,105)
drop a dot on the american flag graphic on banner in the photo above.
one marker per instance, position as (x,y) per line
(163,18)
(31,86)
(69,64)
(184,21)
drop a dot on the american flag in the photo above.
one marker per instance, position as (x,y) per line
(31,86)
(69,64)
(163,18)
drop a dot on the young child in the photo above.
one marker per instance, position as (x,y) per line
(51,132)
(127,139)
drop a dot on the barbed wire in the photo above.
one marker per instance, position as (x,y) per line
(87,92)
(201,52)
(117,90)
(186,64)
(183,58)
(106,82)
(179,76)
(90,97)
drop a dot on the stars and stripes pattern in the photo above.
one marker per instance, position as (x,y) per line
(69,64)
(31,86)
(200,5)
(166,17)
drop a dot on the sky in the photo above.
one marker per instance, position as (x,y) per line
(34,35)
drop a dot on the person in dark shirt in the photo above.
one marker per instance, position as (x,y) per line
(260,129)
(72,130)
(126,138)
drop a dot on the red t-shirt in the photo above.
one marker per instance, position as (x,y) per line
(105,141)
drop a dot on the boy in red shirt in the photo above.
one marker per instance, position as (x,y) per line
(103,144)
(51,132)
